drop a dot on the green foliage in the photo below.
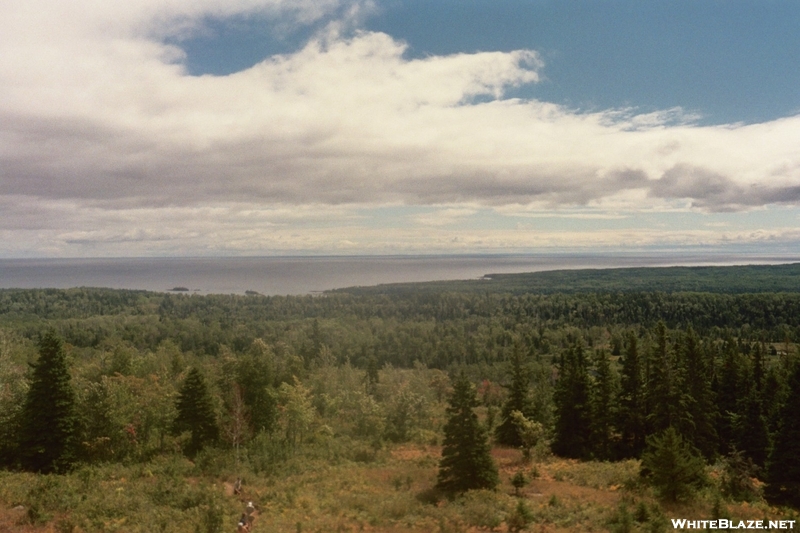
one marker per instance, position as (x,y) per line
(255,373)
(672,467)
(519,481)
(195,413)
(507,433)
(632,409)
(664,386)
(531,433)
(737,478)
(571,397)
(521,518)
(621,521)
(698,401)
(296,411)
(783,469)
(603,407)
(466,460)
(49,422)
(13,389)
(405,412)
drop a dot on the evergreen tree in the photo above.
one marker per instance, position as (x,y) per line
(196,413)
(507,433)
(603,407)
(49,421)
(783,470)
(699,402)
(672,466)
(752,430)
(664,388)
(571,397)
(466,459)
(731,384)
(773,396)
(632,411)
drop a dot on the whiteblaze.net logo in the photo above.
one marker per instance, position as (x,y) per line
(723,523)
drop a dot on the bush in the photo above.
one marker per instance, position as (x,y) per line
(520,518)
(737,478)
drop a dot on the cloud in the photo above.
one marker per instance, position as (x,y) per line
(713,191)
(99,114)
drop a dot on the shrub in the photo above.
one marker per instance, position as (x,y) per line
(520,518)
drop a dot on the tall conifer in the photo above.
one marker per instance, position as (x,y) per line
(603,406)
(571,397)
(466,459)
(507,432)
(49,421)
(632,410)
(698,401)
(731,384)
(196,413)
(664,386)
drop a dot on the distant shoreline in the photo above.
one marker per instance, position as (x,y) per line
(296,275)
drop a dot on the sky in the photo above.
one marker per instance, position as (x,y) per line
(277,127)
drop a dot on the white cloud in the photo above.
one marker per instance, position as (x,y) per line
(98,113)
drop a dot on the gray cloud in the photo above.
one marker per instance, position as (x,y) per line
(710,190)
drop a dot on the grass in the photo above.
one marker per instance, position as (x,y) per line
(309,493)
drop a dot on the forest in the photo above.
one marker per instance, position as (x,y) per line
(607,400)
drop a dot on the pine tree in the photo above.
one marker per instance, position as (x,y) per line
(783,469)
(672,466)
(632,412)
(196,413)
(466,459)
(507,433)
(49,421)
(571,397)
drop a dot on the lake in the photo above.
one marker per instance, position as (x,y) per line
(303,275)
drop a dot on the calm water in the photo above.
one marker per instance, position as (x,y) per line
(302,275)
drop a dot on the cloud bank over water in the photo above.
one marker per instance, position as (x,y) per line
(105,138)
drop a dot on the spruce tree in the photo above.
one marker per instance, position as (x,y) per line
(507,433)
(196,413)
(571,397)
(783,470)
(466,459)
(673,467)
(603,407)
(699,422)
(664,386)
(632,411)
(49,421)
(731,383)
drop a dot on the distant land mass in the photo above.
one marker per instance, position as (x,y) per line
(715,279)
